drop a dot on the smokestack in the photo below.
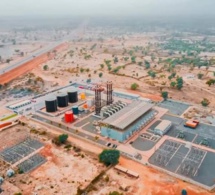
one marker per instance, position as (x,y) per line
(109,93)
(98,99)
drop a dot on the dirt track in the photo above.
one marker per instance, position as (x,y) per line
(26,67)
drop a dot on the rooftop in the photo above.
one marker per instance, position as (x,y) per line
(128,114)
(163,125)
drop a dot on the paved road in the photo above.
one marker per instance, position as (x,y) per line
(73,131)
(33,55)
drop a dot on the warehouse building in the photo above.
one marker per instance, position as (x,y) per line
(130,119)
(163,127)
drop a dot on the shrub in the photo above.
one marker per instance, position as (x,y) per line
(134,86)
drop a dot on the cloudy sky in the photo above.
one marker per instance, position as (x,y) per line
(106,7)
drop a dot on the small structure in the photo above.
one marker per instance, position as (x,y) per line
(10,173)
(162,128)
(20,104)
(191,124)
(126,171)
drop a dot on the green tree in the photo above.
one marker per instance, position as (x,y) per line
(210,82)
(100,74)
(152,74)
(164,95)
(180,82)
(200,75)
(173,84)
(170,77)
(140,63)
(81,70)
(62,138)
(45,67)
(147,64)
(134,86)
(205,102)
(109,157)
(126,58)
(133,59)
(115,60)
(102,66)
(109,67)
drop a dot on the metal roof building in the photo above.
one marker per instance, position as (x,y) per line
(163,127)
(128,114)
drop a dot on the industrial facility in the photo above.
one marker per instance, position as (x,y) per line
(123,123)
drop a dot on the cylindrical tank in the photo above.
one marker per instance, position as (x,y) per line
(62,100)
(51,105)
(82,96)
(69,117)
(73,96)
(75,110)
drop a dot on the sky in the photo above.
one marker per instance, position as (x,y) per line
(106,7)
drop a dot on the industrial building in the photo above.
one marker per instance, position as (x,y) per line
(163,127)
(20,104)
(126,121)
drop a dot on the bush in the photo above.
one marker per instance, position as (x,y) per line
(205,102)
(115,193)
(100,74)
(134,86)
(68,146)
(45,67)
(62,138)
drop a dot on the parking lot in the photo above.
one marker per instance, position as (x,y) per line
(193,163)
(174,107)
(88,120)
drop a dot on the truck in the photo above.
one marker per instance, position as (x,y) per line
(191,124)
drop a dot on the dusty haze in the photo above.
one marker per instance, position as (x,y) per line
(107,8)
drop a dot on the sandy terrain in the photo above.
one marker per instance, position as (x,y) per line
(62,174)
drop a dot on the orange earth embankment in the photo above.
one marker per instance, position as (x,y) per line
(28,66)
